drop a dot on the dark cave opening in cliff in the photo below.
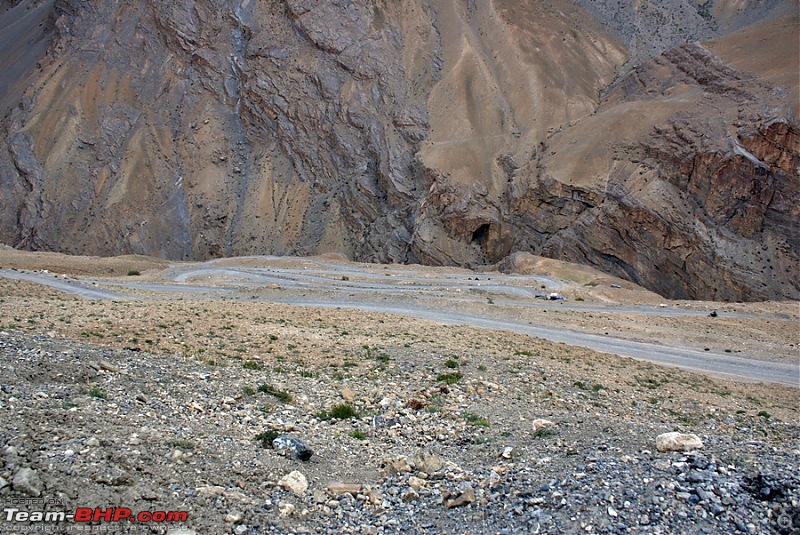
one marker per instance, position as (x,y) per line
(480,234)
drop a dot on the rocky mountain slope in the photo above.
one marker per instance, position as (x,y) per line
(452,132)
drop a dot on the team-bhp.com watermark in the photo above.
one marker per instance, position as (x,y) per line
(20,515)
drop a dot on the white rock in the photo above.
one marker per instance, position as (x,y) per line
(675,441)
(233,517)
(285,509)
(295,482)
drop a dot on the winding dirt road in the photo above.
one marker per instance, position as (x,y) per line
(460,297)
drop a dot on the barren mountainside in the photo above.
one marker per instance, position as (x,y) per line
(658,141)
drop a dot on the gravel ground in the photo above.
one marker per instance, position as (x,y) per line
(443,440)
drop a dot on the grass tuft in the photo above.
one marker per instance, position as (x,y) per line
(476,419)
(282,395)
(342,411)
(97,392)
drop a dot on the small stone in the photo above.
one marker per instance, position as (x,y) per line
(344,488)
(612,513)
(3,483)
(292,447)
(380,422)
(703,494)
(375,497)
(93,442)
(415,482)
(541,423)
(105,365)
(347,394)
(466,497)
(410,495)
(294,482)
(241,529)
(662,465)
(181,531)
(210,490)
(234,517)
(678,442)
(429,463)
(27,481)
(69,453)
(285,509)
(395,466)
(508,453)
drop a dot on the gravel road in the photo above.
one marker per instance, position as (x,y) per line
(418,293)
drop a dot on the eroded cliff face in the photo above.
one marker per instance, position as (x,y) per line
(449,132)
(692,169)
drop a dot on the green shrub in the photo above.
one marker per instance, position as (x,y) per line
(342,411)
(267,437)
(449,378)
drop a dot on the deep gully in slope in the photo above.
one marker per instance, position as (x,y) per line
(241,13)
